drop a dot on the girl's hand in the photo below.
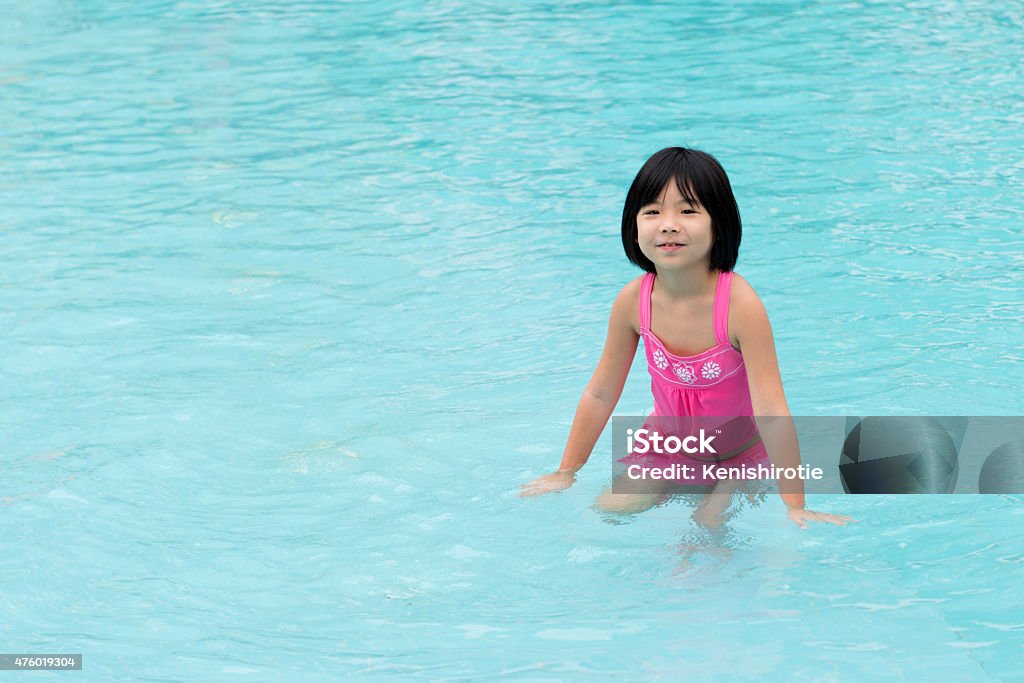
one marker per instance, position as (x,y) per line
(800,517)
(549,483)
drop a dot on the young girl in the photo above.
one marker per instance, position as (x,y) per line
(707,338)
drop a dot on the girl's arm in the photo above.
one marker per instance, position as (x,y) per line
(749,320)
(605,386)
(602,392)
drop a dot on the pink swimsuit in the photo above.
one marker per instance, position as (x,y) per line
(705,390)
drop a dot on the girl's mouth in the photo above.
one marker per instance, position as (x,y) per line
(671,246)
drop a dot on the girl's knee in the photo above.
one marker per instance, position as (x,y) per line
(627,503)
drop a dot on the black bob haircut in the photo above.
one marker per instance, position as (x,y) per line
(700,179)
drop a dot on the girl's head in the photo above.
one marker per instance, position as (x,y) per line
(705,194)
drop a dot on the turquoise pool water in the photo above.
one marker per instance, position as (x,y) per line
(296,295)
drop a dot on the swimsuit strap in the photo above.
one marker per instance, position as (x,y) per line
(722,290)
(646,286)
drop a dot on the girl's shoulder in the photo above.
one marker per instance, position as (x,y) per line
(633,286)
(742,294)
(747,315)
(630,291)
(627,304)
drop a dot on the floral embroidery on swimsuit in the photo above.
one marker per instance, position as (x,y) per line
(684,372)
(711,370)
(659,359)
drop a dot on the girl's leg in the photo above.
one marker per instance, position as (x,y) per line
(634,497)
(710,512)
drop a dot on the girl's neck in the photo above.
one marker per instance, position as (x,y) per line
(687,283)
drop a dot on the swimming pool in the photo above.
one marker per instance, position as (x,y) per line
(296,295)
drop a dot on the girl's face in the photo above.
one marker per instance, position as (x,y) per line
(673,233)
